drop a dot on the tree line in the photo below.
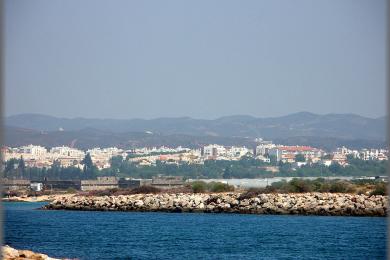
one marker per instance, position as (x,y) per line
(247,167)
(16,169)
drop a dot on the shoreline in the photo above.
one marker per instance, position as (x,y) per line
(10,253)
(324,204)
(42,198)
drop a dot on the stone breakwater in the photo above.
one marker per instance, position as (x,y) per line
(332,204)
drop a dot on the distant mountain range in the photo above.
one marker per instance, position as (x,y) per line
(303,128)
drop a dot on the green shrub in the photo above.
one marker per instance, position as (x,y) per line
(321,185)
(279,185)
(299,185)
(220,187)
(145,189)
(341,187)
(71,190)
(380,189)
(254,192)
(325,187)
(199,187)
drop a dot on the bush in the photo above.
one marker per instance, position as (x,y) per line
(317,185)
(324,187)
(100,193)
(184,189)
(116,191)
(280,185)
(199,187)
(341,187)
(13,193)
(252,193)
(145,190)
(380,189)
(71,190)
(220,187)
(299,185)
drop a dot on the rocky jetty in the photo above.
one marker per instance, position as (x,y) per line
(10,253)
(332,204)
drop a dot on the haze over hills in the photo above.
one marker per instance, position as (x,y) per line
(302,128)
(298,124)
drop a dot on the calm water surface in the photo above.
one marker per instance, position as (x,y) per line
(131,235)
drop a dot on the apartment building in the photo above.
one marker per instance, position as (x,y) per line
(288,153)
(213,150)
(64,151)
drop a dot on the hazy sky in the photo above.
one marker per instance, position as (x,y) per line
(203,59)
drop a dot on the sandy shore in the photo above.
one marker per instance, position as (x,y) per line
(43,198)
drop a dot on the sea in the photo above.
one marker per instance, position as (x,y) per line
(136,235)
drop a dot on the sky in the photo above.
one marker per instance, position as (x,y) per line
(200,59)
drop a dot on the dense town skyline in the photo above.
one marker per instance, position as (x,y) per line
(65,156)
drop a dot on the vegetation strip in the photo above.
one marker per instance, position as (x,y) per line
(246,167)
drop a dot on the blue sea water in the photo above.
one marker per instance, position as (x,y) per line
(134,235)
